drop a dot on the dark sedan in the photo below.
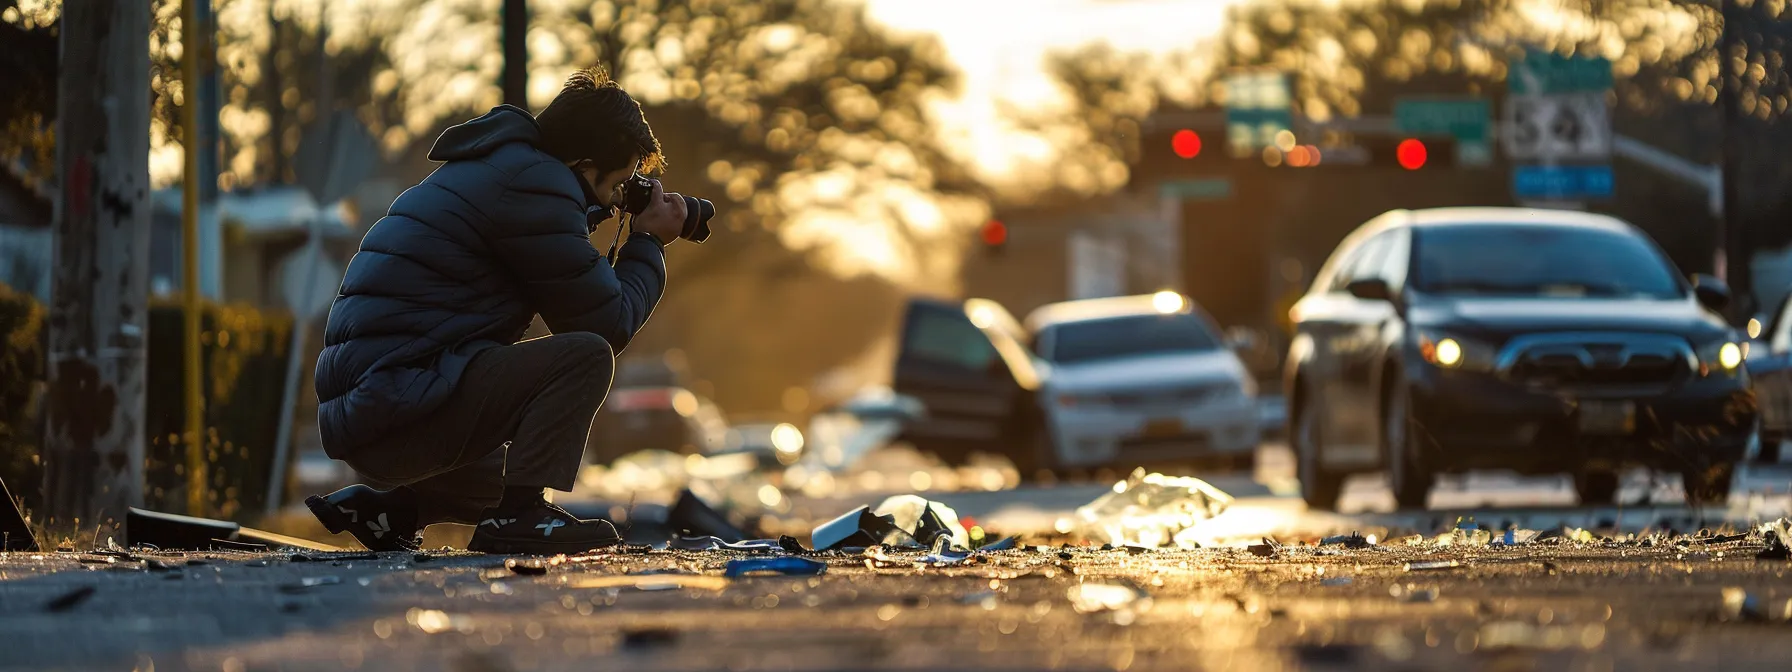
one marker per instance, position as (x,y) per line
(1537,341)
(1770,364)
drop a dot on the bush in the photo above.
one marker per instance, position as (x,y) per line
(21,384)
(245,374)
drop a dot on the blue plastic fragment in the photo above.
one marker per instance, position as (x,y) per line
(787,565)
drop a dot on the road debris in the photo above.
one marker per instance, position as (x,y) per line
(1432,566)
(925,521)
(1151,510)
(786,566)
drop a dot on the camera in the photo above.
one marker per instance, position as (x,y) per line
(637,194)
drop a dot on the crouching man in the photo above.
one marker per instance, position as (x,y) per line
(424,385)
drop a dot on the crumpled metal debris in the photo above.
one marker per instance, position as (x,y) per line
(1151,510)
(788,565)
(1777,534)
(856,528)
(925,520)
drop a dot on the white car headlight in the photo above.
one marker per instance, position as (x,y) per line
(1453,351)
(1722,356)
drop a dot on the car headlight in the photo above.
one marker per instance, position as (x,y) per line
(1722,356)
(1453,351)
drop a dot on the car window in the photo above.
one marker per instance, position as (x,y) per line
(1395,258)
(1782,328)
(1534,260)
(1365,264)
(946,337)
(1132,335)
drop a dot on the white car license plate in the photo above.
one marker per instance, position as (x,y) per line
(1607,418)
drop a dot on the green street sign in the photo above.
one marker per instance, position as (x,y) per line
(1196,189)
(1257,108)
(1466,119)
(1540,73)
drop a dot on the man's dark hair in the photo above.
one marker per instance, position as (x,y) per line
(594,119)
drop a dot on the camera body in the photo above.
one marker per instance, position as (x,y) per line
(637,194)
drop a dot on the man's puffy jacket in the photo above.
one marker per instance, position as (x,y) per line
(462,263)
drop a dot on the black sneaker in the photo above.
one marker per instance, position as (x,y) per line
(381,521)
(540,529)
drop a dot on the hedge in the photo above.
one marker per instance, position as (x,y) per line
(244,372)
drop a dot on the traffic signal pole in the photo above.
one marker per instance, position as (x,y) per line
(1732,260)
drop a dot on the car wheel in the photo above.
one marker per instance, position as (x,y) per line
(1708,486)
(1407,477)
(1320,488)
(1596,487)
(1771,442)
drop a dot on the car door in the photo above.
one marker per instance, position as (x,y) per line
(1321,330)
(1355,426)
(970,372)
(1772,373)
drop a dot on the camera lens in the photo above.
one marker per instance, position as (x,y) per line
(697,212)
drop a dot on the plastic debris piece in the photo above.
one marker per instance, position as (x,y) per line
(1005,544)
(923,520)
(1432,566)
(690,516)
(715,544)
(787,566)
(70,599)
(1151,510)
(858,527)
(1267,549)
(944,558)
(1352,540)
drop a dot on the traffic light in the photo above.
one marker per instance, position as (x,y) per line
(994,236)
(1410,153)
(1186,143)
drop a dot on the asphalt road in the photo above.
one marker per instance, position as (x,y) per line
(1628,596)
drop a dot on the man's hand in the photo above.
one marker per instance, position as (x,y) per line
(664,216)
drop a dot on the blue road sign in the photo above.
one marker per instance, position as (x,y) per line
(1562,183)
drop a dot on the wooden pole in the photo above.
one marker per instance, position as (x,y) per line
(93,451)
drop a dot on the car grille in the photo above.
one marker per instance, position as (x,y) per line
(1170,397)
(1597,360)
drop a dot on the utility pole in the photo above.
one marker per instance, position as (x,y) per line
(516,53)
(1732,259)
(93,453)
(194,363)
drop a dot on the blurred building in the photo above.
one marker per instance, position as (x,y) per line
(1112,246)
(26,211)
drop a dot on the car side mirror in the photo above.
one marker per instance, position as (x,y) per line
(1711,292)
(1242,339)
(1370,289)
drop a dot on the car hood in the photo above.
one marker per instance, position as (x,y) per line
(1507,316)
(1146,371)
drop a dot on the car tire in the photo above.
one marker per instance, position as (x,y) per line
(1596,487)
(1771,442)
(1710,485)
(1408,477)
(1319,487)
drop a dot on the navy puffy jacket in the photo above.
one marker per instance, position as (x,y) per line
(462,262)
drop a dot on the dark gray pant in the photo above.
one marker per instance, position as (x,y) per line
(539,395)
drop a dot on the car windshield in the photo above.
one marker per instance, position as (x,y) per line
(1130,336)
(1529,260)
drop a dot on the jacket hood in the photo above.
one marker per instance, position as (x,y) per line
(471,140)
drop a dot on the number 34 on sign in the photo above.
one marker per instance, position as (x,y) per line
(1568,127)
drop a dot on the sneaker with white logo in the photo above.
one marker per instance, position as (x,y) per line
(380,520)
(540,529)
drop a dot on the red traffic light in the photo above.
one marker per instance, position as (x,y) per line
(1411,154)
(994,233)
(1186,143)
